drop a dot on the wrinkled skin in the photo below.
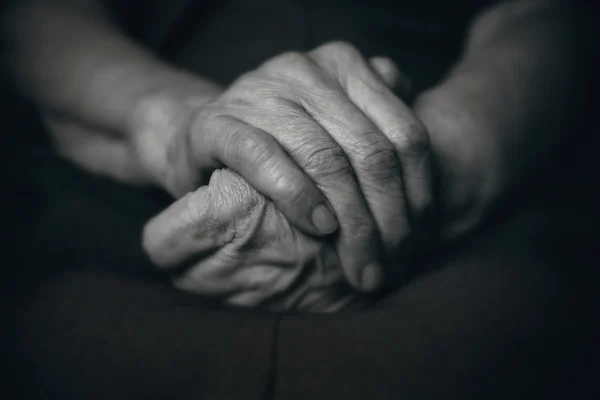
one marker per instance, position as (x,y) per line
(251,255)
(319,133)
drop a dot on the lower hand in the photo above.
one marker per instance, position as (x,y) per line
(251,256)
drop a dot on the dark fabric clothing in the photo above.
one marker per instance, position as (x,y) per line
(502,315)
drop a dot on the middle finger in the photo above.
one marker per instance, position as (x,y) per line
(321,157)
(396,122)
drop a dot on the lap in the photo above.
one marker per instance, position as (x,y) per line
(94,335)
(502,300)
(494,320)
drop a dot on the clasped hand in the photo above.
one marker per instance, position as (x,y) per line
(323,168)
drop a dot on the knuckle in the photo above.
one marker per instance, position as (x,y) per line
(254,147)
(360,233)
(337,48)
(292,189)
(253,85)
(291,71)
(287,59)
(279,104)
(411,139)
(326,161)
(385,65)
(377,158)
(245,81)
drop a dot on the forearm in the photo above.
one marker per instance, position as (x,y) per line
(506,104)
(70,58)
(92,82)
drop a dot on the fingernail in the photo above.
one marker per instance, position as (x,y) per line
(323,219)
(371,277)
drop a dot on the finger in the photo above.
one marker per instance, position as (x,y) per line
(210,226)
(258,158)
(373,160)
(243,284)
(321,157)
(188,228)
(204,221)
(221,276)
(392,76)
(212,278)
(397,122)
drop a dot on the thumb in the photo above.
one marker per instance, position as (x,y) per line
(200,222)
(180,231)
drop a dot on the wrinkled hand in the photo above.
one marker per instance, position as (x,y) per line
(316,133)
(252,255)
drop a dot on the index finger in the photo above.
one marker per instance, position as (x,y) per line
(256,156)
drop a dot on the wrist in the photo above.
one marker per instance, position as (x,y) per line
(465,157)
(159,124)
